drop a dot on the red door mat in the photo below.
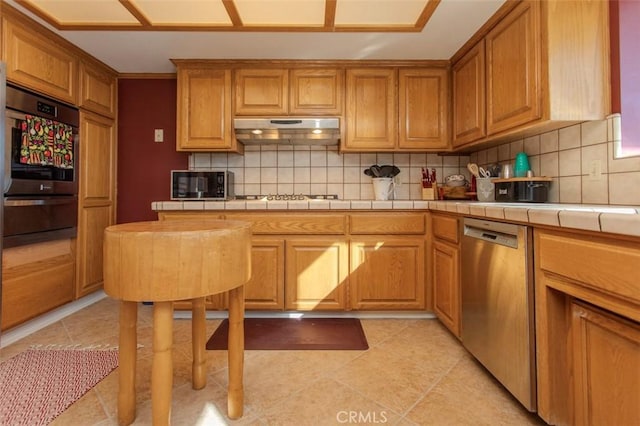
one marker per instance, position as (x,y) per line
(295,334)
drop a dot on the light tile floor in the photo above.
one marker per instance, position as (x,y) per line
(414,373)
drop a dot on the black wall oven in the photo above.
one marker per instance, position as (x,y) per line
(40,173)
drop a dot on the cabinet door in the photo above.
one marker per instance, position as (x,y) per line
(423,108)
(606,365)
(96,199)
(204,110)
(316,91)
(371,114)
(38,62)
(469,107)
(513,49)
(265,289)
(446,285)
(262,91)
(316,274)
(387,273)
(98,90)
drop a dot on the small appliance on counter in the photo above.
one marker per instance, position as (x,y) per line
(202,185)
(534,189)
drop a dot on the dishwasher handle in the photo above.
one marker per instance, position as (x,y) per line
(492,232)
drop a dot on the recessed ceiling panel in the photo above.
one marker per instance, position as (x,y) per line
(183,12)
(378,12)
(70,12)
(281,12)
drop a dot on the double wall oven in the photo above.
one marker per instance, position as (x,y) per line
(40,170)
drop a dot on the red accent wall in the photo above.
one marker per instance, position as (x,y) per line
(144,166)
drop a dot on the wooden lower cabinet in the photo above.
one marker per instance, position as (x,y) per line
(587,328)
(92,222)
(265,289)
(606,366)
(446,285)
(316,273)
(36,278)
(445,271)
(387,273)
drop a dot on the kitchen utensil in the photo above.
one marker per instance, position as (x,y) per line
(368,172)
(473,169)
(507,171)
(483,173)
(389,171)
(375,170)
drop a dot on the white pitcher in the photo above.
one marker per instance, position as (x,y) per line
(383,188)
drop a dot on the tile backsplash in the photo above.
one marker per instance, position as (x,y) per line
(579,158)
(581,161)
(284,169)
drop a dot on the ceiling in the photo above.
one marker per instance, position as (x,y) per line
(141,36)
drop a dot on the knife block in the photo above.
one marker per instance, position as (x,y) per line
(430,193)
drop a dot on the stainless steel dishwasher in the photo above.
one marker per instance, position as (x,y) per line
(498,305)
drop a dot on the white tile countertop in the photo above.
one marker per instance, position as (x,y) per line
(600,218)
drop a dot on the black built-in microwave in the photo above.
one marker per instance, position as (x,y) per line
(202,185)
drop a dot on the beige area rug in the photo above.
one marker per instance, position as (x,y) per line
(38,384)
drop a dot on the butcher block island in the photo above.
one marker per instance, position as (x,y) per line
(330,260)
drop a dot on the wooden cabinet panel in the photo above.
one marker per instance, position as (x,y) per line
(316,274)
(97,197)
(92,222)
(265,289)
(204,110)
(316,91)
(36,278)
(97,159)
(606,365)
(594,264)
(468,75)
(98,90)
(445,228)
(371,109)
(37,62)
(387,273)
(262,91)
(394,223)
(446,285)
(293,223)
(423,105)
(513,53)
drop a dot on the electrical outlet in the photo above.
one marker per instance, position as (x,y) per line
(595,170)
(158,135)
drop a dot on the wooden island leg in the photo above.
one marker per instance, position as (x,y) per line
(198,340)
(162,366)
(235,398)
(127,363)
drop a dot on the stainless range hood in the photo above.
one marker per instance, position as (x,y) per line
(288,130)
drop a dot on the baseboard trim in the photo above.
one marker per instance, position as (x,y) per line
(297,314)
(23,330)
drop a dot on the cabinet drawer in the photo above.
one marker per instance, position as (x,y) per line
(394,223)
(303,224)
(446,228)
(601,264)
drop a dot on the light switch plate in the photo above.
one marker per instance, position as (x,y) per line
(158,135)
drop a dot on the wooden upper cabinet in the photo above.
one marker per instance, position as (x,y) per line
(262,91)
(316,91)
(98,89)
(371,109)
(546,65)
(423,104)
(34,60)
(513,54)
(204,110)
(469,96)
